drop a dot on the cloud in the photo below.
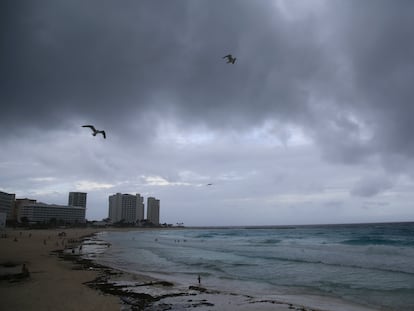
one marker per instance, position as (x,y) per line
(371,186)
(43,179)
(160,181)
(85,185)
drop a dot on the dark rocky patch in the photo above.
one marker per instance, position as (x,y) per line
(9,264)
(198,288)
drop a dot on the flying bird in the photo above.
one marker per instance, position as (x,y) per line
(95,131)
(209,184)
(230,59)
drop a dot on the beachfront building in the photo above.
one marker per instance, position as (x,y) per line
(126,207)
(77,199)
(7,204)
(18,204)
(153,211)
(45,213)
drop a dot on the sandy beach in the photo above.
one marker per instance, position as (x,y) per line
(64,281)
(53,284)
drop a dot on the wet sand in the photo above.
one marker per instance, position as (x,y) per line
(62,280)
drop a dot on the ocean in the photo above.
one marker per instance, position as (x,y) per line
(366,264)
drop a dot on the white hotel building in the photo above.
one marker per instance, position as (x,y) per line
(38,212)
(153,210)
(42,212)
(126,207)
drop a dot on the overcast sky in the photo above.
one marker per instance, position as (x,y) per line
(314,123)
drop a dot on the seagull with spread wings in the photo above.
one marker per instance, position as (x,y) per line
(230,59)
(95,131)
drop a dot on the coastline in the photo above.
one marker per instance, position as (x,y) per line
(62,280)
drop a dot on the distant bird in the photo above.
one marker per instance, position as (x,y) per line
(230,59)
(95,131)
(209,184)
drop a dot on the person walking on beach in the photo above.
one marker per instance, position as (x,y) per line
(199,279)
(25,271)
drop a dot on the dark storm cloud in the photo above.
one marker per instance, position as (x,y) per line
(377,40)
(343,74)
(97,60)
(94,59)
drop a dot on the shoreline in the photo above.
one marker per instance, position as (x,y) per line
(143,292)
(159,292)
(62,279)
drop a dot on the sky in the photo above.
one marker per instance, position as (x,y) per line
(313,123)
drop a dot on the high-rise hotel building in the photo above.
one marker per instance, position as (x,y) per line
(7,204)
(77,199)
(126,207)
(153,210)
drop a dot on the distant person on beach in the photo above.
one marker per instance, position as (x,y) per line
(199,279)
(25,271)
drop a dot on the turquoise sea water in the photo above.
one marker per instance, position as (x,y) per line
(367,264)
